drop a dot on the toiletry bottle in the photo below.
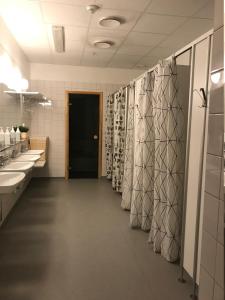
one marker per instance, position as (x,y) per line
(2,137)
(7,137)
(17,134)
(12,136)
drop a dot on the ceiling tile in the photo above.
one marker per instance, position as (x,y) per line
(73,33)
(133,50)
(176,7)
(24,20)
(107,33)
(129,17)
(144,39)
(39,55)
(187,33)
(60,14)
(70,2)
(158,24)
(131,5)
(99,59)
(74,47)
(207,11)
(124,61)
(161,52)
(147,62)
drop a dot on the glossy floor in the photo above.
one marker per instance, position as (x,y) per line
(71,241)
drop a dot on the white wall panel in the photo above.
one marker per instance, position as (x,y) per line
(196,140)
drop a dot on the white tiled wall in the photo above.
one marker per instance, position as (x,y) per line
(50,121)
(212,262)
(10,114)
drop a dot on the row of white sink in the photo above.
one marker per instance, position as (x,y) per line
(12,174)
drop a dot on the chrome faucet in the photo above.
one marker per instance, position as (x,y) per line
(3,160)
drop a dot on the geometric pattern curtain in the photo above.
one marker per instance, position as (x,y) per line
(129,151)
(143,177)
(169,166)
(109,136)
(119,123)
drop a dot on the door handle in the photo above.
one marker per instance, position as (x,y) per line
(95,137)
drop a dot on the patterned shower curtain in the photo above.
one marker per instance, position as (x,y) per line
(129,150)
(119,124)
(143,177)
(169,166)
(109,136)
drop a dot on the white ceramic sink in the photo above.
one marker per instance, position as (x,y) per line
(21,166)
(34,152)
(24,157)
(9,181)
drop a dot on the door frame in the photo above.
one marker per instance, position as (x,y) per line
(100,94)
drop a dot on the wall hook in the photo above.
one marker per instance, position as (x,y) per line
(205,100)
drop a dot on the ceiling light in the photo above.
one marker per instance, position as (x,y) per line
(59,38)
(92,8)
(110,22)
(103,44)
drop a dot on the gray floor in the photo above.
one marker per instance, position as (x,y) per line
(71,241)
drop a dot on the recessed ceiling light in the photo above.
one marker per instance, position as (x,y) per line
(110,22)
(58,33)
(103,44)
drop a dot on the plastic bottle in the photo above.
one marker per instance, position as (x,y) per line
(2,137)
(17,134)
(7,137)
(12,136)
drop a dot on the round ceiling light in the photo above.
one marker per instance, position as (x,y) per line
(103,44)
(110,22)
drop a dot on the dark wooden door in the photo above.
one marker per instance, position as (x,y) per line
(83,135)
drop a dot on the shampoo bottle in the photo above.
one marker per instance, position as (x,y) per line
(17,134)
(7,137)
(2,137)
(12,136)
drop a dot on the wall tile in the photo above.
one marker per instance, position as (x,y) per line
(215,134)
(218,13)
(220,236)
(217,55)
(206,288)
(216,97)
(211,208)
(220,265)
(218,293)
(208,259)
(213,170)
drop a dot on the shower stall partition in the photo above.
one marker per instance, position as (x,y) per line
(190,87)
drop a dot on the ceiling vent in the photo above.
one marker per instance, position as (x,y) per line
(58,33)
(103,44)
(111,22)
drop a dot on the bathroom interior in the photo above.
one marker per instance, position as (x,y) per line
(112,149)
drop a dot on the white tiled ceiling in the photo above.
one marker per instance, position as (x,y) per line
(152,29)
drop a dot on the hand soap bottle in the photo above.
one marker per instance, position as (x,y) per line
(17,134)
(12,136)
(2,137)
(7,137)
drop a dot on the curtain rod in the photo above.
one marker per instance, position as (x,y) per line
(176,54)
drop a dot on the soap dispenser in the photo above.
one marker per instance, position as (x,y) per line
(2,137)
(17,134)
(7,137)
(12,136)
